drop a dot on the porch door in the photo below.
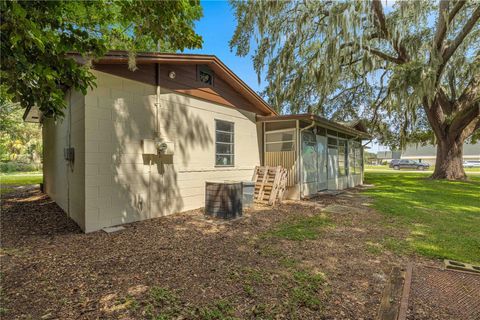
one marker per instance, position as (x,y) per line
(309,163)
(322,163)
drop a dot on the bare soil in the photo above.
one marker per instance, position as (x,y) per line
(185,266)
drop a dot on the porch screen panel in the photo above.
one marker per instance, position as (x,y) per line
(309,157)
(351,157)
(280,149)
(281,140)
(342,155)
(332,158)
(358,158)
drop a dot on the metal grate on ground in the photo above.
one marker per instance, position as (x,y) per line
(443,294)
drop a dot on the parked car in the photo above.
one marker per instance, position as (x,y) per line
(393,162)
(471,164)
(409,164)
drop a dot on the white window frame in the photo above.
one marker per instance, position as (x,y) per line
(293,130)
(227,143)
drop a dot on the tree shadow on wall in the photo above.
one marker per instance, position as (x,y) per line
(147,186)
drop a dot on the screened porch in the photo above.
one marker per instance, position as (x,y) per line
(319,155)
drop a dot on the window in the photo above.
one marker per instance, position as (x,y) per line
(224,143)
(332,142)
(205,75)
(283,140)
(342,155)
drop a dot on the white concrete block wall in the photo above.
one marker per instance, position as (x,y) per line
(123,185)
(64,182)
(55,139)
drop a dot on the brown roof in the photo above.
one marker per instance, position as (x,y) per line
(319,120)
(121,57)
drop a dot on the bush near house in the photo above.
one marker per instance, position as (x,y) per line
(10,167)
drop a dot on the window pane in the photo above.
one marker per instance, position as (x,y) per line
(224,137)
(224,160)
(279,146)
(341,158)
(224,126)
(280,136)
(358,159)
(309,137)
(332,141)
(224,148)
(224,143)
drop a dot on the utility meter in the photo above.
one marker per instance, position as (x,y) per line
(165,147)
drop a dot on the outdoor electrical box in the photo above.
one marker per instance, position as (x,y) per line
(69,154)
(149,146)
(157,147)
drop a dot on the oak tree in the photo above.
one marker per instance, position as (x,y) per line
(412,69)
(37,37)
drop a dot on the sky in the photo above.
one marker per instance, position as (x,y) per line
(217,27)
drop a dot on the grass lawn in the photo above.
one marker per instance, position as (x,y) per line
(442,218)
(10,180)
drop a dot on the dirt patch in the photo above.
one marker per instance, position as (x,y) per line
(186,265)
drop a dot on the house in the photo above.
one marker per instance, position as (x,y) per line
(102,165)
(428,153)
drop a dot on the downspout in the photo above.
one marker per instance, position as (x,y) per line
(300,156)
(156,135)
(69,164)
(157,104)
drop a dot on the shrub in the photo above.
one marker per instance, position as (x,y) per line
(6,167)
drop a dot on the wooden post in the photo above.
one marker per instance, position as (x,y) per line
(390,303)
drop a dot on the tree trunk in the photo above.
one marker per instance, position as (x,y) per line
(449,161)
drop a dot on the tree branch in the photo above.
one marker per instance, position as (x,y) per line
(463,121)
(374,51)
(444,102)
(470,129)
(470,95)
(455,43)
(435,117)
(383,55)
(380,22)
(451,83)
(442,24)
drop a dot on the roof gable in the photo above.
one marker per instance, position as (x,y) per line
(228,89)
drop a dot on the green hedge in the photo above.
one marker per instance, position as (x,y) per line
(6,167)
